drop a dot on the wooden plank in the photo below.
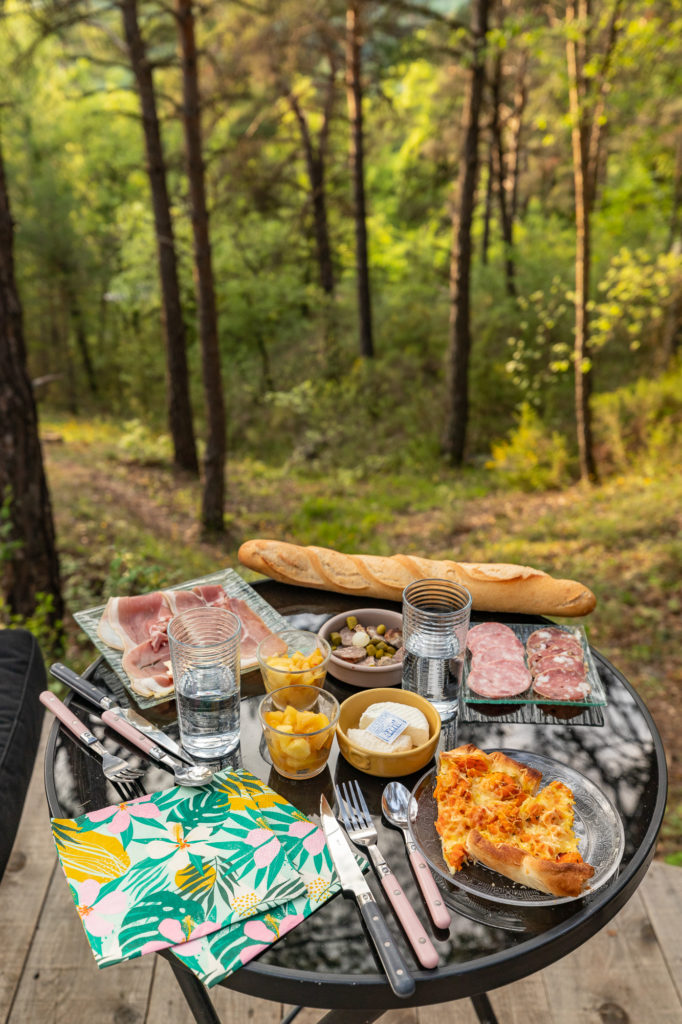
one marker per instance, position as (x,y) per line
(620,975)
(61,983)
(458,1011)
(523,1001)
(26,880)
(167,1004)
(662,895)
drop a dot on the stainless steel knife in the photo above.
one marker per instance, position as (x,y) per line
(100,700)
(352,880)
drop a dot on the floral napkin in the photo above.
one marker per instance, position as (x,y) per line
(219,873)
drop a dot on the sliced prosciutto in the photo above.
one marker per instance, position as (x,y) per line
(149,669)
(253,628)
(498,668)
(127,621)
(138,626)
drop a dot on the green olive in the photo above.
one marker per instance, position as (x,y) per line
(351,622)
(371,649)
(390,650)
(335,638)
(381,629)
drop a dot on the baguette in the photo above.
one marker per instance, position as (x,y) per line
(494,587)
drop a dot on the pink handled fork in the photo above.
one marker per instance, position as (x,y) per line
(360,828)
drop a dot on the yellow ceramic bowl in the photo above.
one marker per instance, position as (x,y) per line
(386,766)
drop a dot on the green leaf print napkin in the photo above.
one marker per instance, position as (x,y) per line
(171,867)
(216,956)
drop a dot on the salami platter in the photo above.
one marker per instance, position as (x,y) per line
(530,664)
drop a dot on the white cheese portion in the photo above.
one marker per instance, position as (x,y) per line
(368,741)
(417,725)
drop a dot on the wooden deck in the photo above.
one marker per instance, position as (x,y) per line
(630,971)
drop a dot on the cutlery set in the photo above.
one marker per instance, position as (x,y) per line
(352,808)
(361,830)
(133,727)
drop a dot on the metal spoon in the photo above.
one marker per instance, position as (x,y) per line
(395,802)
(184,775)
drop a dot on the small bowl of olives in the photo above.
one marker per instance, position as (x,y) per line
(367,647)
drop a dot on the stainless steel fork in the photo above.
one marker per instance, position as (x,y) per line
(360,827)
(115,768)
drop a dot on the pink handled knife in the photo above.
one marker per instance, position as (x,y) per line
(360,827)
(395,801)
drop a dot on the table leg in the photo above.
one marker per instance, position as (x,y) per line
(194,992)
(483,1008)
(351,1016)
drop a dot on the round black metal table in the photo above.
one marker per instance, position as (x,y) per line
(327,961)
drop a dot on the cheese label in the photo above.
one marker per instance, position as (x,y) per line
(387,726)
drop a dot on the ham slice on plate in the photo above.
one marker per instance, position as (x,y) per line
(149,669)
(127,621)
(138,626)
(253,628)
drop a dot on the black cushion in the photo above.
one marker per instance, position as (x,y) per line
(22,678)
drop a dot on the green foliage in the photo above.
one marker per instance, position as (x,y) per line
(640,426)
(639,290)
(531,459)
(41,623)
(139,443)
(9,546)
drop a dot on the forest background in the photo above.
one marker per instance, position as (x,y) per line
(377,276)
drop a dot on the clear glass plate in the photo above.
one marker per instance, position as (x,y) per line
(597,825)
(232,584)
(595,698)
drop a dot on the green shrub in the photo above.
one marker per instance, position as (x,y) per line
(640,425)
(138,443)
(531,459)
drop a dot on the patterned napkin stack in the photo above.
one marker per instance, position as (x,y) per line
(217,873)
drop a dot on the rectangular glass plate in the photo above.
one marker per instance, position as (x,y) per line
(232,584)
(595,698)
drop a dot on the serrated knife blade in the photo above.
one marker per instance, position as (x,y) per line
(100,700)
(352,881)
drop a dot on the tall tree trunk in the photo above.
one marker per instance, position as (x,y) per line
(78,322)
(315,160)
(587,105)
(459,348)
(177,379)
(500,164)
(357,161)
(514,166)
(576,56)
(30,564)
(672,328)
(488,210)
(213,498)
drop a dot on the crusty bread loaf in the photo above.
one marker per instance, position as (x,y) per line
(494,587)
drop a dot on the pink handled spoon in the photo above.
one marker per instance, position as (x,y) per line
(395,801)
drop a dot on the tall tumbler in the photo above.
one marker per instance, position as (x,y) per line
(435,626)
(205,653)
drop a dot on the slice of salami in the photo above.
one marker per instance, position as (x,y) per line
(558,685)
(547,661)
(508,682)
(555,639)
(489,632)
(497,661)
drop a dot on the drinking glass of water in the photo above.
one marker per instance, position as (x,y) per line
(435,626)
(204,648)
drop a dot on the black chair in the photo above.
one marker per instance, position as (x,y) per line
(22,678)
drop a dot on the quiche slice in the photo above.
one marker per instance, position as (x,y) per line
(491,810)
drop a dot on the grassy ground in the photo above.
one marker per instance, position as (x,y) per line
(123,526)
